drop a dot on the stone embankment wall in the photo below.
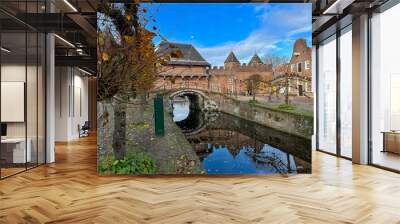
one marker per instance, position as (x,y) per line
(295,124)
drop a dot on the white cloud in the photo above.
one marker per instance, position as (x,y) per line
(243,50)
(278,25)
(300,30)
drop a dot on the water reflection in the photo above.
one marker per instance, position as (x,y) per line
(248,161)
(229,145)
(180,108)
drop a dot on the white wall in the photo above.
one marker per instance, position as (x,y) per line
(12,73)
(81,84)
(17,73)
(13,100)
(62,82)
(71,102)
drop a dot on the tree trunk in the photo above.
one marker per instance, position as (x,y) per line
(287,90)
(287,97)
(119,139)
(287,94)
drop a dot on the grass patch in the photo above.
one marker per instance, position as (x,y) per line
(292,109)
(253,102)
(286,107)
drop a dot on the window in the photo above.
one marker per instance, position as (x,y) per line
(327,95)
(334,106)
(308,86)
(307,65)
(346,93)
(385,89)
(299,67)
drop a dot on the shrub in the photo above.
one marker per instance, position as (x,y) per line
(133,163)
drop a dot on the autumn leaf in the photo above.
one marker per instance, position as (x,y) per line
(128,39)
(105,56)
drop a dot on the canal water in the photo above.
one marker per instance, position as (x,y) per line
(229,145)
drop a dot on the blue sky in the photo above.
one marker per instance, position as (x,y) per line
(245,28)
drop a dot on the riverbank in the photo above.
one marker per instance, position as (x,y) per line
(171,154)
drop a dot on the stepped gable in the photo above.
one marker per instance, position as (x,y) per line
(301,51)
(299,45)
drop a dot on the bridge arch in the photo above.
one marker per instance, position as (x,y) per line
(182,92)
(197,97)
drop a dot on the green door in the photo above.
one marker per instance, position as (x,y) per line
(159,115)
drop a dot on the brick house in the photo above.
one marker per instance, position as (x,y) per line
(185,67)
(299,69)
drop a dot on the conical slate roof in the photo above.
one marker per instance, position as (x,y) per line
(255,60)
(231,58)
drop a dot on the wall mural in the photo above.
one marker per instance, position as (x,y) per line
(204,88)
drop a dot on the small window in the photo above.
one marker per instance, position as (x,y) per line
(299,67)
(308,87)
(307,65)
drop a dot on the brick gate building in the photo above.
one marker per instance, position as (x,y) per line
(186,68)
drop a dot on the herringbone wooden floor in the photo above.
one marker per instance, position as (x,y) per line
(70,191)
